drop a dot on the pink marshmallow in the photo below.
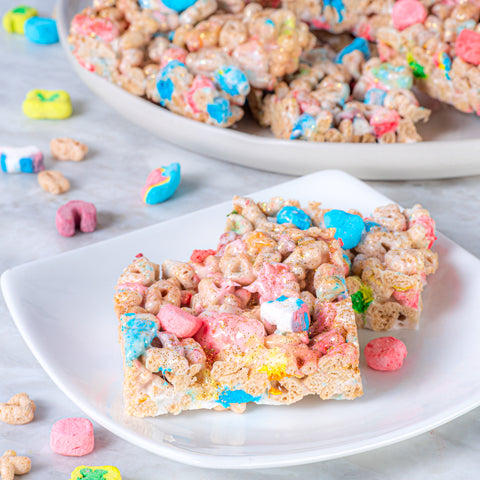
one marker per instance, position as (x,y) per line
(72,437)
(222,329)
(179,322)
(326,340)
(467,46)
(76,213)
(385,353)
(406,13)
(409,298)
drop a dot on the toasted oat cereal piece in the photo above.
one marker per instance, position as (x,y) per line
(18,410)
(68,149)
(11,465)
(261,332)
(53,181)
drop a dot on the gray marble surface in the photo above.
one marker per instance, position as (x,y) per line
(121,156)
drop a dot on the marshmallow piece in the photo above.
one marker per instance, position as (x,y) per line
(161,184)
(467,46)
(289,314)
(221,329)
(178,5)
(41,30)
(47,104)
(294,215)
(76,213)
(385,353)
(179,322)
(406,13)
(348,227)
(72,437)
(14,20)
(21,159)
(384,120)
(232,81)
(103,472)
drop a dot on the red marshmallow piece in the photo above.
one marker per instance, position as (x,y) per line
(385,353)
(199,256)
(406,13)
(467,46)
(179,322)
(72,437)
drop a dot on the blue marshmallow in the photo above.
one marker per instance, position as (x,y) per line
(41,30)
(178,5)
(296,216)
(348,227)
(232,81)
(359,44)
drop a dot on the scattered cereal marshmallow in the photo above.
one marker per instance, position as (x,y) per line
(161,184)
(467,46)
(107,472)
(14,20)
(348,227)
(294,215)
(385,353)
(21,159)
(179,322)
(289,314)
(47,104)
(68,149)
(41,30)
(72,437)
(73,214)
(11,465)
(19,410)
(408,12)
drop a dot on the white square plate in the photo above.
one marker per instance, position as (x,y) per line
(63,307)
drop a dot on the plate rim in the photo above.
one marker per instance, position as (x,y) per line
(218,461)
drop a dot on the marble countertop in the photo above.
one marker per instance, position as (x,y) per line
(121,156)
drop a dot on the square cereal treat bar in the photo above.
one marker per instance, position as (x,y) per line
(265,318)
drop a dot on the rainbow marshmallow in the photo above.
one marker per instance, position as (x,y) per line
(21,159)
(161,184)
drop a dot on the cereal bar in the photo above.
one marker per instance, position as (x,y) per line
(264,318)
(440,40)
(194,63)
(343,97)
